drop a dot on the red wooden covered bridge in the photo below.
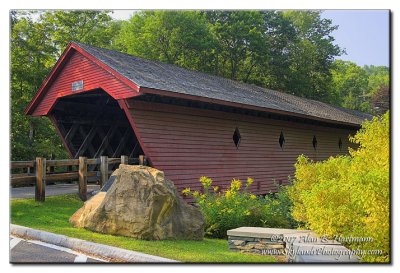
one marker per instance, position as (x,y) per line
(186,123)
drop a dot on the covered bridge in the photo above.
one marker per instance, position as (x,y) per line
(186,123)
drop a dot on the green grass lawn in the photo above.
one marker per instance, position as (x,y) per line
(53,215)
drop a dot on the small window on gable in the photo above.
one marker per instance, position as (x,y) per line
(340,144)
(236,137)
(281,140)
(314,142)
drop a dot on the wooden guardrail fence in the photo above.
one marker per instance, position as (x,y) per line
(41,171)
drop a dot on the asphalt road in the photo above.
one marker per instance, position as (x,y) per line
(26,251)
(59,189)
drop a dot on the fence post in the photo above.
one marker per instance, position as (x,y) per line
(141,160)
(124,159)
(103,170)
(83,178)
(40,192)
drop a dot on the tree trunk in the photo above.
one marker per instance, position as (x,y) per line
(31,131)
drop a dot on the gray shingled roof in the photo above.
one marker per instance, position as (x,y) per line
(167,77)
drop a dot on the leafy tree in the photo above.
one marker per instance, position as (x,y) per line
(356,87)
(176,37)
(380,100)
(89,26)
(378,76)
(312,55)
(241,43)
(31,59)
(291,51)
(280,35)
(348,196)
(350,84)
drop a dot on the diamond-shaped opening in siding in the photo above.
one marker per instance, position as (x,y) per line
(281,140)
(340,143)
(314,142)
(236,137)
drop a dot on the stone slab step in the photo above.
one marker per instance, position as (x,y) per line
(321,253)
(299,246)
(259,232)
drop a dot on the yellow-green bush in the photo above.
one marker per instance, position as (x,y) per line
(348,196)
(236,207)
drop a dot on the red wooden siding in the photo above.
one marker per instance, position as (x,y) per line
(187,143)
(77,67)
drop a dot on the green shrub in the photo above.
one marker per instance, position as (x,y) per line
(278,210)
(348,196)
(236,207)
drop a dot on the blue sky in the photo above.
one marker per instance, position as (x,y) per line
(363,33)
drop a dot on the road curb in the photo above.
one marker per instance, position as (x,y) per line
(114,254)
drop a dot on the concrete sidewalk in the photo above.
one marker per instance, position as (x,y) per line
(108,253)
(58,189)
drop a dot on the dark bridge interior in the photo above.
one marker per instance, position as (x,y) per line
(92,124)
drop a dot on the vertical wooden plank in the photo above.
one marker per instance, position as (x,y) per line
(103,170)
(40,179)
(141,160)
(124,159)
(83,178)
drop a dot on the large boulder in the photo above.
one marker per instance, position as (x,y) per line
(142,204)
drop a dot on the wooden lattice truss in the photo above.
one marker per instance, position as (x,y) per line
(92,124)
